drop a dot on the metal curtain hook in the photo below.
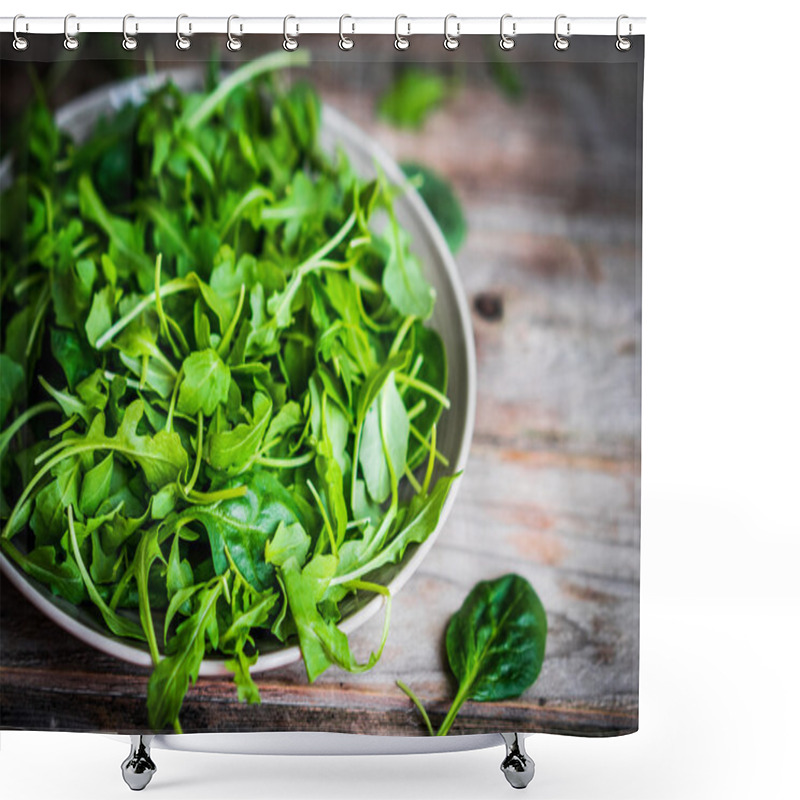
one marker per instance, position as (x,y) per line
(401,42)
(289,42)
(234,43)
(507,42)
(181,41)
(451,42)
(20,42)
(623,43)
(345,42)
(70,42)
(128,42)
(561,43)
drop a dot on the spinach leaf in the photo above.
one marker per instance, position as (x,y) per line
(441,201)
(241,526)
(495,643)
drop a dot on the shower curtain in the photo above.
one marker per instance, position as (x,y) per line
(320,384)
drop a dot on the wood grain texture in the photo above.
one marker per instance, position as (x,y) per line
(552,486)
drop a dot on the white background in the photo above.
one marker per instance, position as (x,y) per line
(720,705)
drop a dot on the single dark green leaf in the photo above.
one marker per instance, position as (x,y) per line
(244,525)
(442,202)
(49,518)
(12,380)
(496,640)
(73,354)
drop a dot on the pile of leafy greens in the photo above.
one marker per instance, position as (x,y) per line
(219,399)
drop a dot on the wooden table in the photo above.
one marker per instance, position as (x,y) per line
(552,269)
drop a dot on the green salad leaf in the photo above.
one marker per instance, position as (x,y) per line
(495,644)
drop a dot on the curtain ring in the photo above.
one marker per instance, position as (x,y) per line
(70,41)
(128,42)
(182,42)
(561,43)
(451,42)
(622,43)
(401,42)
(345,42)
(20,42)
(289,42)
(507,42)
(234,43)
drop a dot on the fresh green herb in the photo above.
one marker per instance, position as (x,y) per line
(216,378)
(412,97)
(495,645)
(442,203)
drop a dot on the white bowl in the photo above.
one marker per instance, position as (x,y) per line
(450,319)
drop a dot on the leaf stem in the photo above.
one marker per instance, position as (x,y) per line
(269,62)
(416,701)
(173,287)
(425,388)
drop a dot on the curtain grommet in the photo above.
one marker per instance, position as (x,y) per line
(507,41)
(70,41)
(20,43)
(623,44)
(401,42)
(561,43)
(451,42)
(234,43)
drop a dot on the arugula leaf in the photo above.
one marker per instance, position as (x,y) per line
(403,281)
(233,449)
(206,381)
(95,486)
(172,675)
(384,442)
